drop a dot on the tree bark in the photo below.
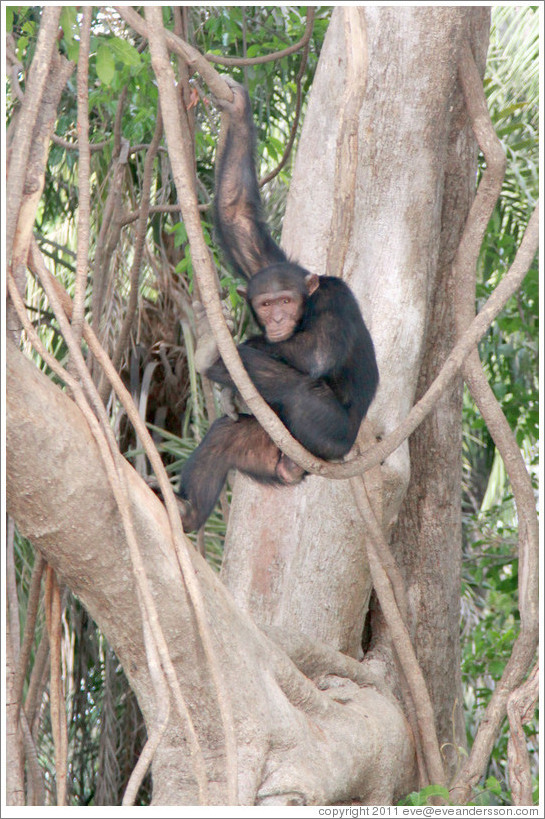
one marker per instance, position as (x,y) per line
(428,535)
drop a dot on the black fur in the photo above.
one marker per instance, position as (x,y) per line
(320,381)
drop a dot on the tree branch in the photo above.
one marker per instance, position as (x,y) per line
(57,706)
(464,269)
(114,465)
(134,275)
(191,55)
(375,545)
(293,130)
(267,58)
(26,120)
(84,166)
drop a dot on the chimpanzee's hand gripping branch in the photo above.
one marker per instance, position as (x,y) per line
(313,362)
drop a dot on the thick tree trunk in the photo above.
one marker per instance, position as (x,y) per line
(295,558)
(323,734)
(428,535)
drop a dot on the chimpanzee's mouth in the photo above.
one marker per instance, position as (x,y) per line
(279,335)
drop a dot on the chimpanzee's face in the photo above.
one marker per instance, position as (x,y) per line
(278,313)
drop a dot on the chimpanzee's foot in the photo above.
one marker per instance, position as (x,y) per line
(188,514)
(288,471)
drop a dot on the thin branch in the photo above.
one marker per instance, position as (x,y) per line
(11,590)
(160,719)
(16,67)
(109,233)
(37,682)
(201,259)
(134,276)
(84,166)
(94,147)
(464,267)
(267,58)
(193,57)
(521,707)
(14,766)
(35,784)
(57,707)
(26,120)
(295,123)
(118,119)
(375,544)
(33,603)
(134,214)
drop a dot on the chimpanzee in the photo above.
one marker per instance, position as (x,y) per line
(313,362)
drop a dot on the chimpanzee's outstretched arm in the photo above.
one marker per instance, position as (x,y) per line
(240,227)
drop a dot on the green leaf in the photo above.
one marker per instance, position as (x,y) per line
(125,52)
(105,64)
(22,43)
(180,234)
(68,23)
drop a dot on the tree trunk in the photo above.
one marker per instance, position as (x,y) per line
(320,735)
(295,558)
(428,535)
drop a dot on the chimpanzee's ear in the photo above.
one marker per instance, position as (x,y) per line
(241,290)
(312,282)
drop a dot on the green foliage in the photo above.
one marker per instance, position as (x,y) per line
(427,796)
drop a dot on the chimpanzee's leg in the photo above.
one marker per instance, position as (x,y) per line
(307,406)
(229,444)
